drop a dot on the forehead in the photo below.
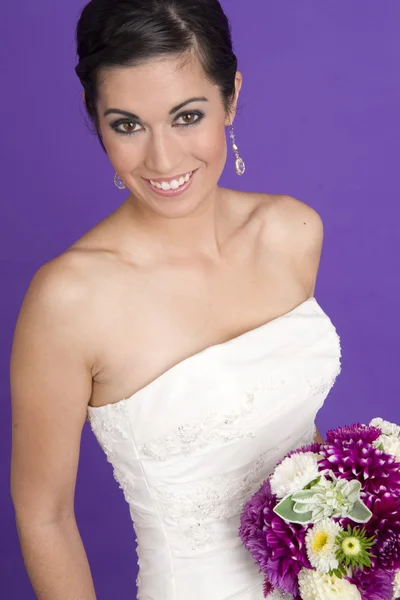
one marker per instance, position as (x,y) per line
(156,85)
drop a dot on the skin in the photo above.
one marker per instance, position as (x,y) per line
(155,282)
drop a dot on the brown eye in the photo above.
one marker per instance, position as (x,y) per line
(189,118)
(125,127)
(128,127)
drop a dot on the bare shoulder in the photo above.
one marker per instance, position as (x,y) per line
(291,213)
(292,221)
(296,212)
(279,210)
(295,231)
(60,282)
(59,299)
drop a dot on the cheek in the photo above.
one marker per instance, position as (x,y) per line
(122,152)
(210,145)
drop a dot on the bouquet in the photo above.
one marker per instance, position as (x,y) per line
(326,524)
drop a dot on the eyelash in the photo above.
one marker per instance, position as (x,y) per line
(116,124)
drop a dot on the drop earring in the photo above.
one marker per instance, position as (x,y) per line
(239,163)
(118,182)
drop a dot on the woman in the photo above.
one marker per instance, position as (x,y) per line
(183,326)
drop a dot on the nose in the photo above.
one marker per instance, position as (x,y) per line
(163,153)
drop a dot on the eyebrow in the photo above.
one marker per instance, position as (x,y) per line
(171,112)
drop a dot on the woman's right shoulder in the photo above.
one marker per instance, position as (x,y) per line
(64,285)
(58,314)
(60,279)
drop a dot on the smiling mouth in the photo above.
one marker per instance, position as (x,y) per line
(171,184)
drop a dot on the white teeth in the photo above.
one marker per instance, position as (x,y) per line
(173,185)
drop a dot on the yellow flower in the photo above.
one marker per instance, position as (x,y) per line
(321,545)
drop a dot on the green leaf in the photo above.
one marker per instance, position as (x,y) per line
(365,560)
(360,513)
(337,572)
(352,490)
(314,481)
(285,510)
(306,496)
(318,514)
(300,508)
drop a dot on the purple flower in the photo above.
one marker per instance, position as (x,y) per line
(387,549)
(315,447)
(277,547)
(373,585)
(252,524)
(385,525)
(354,433)
(268,587)
(377,471)
(288,553)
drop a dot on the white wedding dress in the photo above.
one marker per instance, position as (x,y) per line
(192,446)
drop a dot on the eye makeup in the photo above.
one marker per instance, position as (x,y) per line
(121,122)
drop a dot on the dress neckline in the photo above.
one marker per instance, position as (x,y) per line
(184,361)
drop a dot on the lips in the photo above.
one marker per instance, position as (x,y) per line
(171,192)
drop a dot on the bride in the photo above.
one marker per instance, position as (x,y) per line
(183,327)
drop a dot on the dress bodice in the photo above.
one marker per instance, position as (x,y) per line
(192,446)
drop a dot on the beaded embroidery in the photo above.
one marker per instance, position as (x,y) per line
(110,427)
(220,427)
(126,484)
(190,437)
(216,499)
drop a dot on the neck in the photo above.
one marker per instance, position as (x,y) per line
(182,238)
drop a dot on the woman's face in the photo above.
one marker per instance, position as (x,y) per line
(162,121)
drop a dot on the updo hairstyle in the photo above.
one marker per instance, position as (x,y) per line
(123,33)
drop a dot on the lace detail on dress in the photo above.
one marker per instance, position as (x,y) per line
(217,499)
(109,427)
(322,384)
(309,436)
(126,484)
(217,426)
(112,432)
(232,425)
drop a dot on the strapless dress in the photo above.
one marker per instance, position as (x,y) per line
(192,446)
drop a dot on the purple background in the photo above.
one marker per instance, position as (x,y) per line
(319,120)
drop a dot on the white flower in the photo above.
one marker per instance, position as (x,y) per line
(396,585)
(319,586)
(386,427)
(389,444)
(389,441)
(294,473)
(321,545)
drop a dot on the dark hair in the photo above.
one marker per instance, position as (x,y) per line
(119,33)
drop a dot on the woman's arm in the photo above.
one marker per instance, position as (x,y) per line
(50,387)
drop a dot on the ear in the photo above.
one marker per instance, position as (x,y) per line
(238,86)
